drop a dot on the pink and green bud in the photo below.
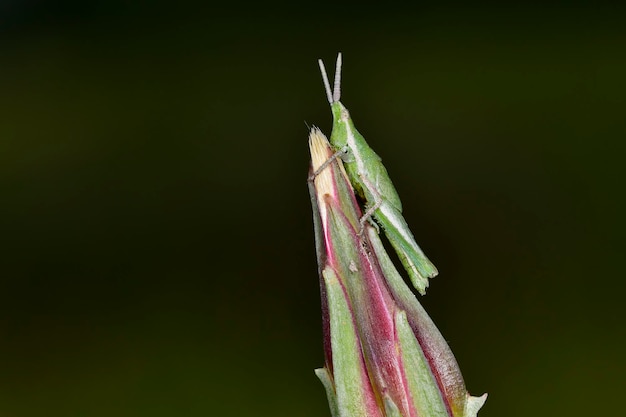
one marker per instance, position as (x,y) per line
(384,355)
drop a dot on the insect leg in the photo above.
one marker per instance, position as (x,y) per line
(329,161)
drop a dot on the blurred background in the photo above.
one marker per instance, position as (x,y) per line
(157,253)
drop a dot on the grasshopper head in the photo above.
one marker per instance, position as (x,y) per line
(341,124)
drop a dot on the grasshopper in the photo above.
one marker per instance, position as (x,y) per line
(368,176)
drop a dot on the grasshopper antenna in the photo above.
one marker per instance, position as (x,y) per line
(337,86)
(335,95)
(326,83)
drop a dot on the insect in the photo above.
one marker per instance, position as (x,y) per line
(368,176)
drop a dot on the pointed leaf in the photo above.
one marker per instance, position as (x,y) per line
(473,405)
(324,376)
(422,383)
(355,397)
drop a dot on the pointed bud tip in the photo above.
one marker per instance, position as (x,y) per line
(474,404)
(320,153)
(318,144)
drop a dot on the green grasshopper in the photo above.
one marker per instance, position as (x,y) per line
(369,177)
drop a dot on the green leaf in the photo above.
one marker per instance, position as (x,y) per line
(352,387)
(421,381)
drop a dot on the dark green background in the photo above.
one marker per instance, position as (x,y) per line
(157,250)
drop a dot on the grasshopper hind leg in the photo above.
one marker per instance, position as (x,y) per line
(390,219)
